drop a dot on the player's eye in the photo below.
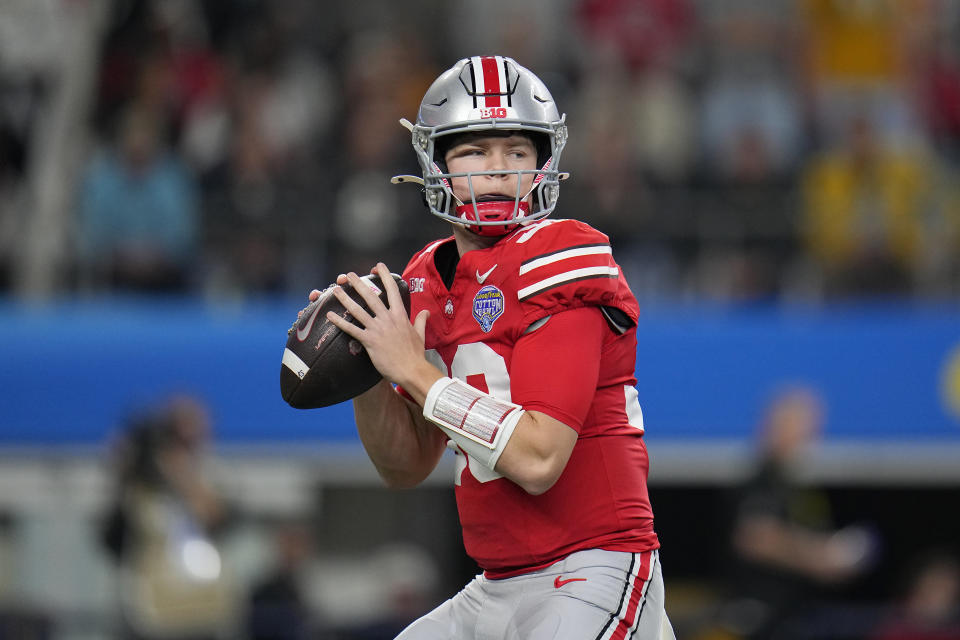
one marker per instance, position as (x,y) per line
(467,152)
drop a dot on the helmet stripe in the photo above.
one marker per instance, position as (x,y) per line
(476,67)
(493,81)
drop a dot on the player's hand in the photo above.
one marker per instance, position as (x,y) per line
(316,293)
(395,345)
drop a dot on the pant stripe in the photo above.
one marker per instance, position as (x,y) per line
(625,618)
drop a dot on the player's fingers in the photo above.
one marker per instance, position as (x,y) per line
(344,325)
(342,279)
(390,286)
(420,324)
(314,295)
(359,313)
(369,295)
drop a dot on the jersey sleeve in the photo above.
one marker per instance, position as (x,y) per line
(560,382)
(568,264)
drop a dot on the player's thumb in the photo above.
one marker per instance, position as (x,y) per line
(420,324)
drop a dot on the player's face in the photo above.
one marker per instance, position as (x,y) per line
(493,153)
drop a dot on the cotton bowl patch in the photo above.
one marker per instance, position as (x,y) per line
(487,306)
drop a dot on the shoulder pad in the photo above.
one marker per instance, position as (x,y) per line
(566,264)
(556,231)
(425,253)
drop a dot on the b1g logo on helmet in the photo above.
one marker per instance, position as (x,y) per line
(492,113)
(487,306)
(495,112)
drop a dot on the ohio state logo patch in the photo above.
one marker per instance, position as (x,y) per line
(487,306)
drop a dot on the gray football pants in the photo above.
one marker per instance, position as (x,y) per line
(590,595)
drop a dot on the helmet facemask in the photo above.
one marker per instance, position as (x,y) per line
(530,200)
(489,96)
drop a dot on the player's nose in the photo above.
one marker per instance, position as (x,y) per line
(497,162)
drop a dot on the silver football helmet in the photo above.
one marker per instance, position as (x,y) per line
(479,94)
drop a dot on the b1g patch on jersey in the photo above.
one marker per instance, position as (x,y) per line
(487,306)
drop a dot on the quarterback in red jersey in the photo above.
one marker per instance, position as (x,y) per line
(520,357)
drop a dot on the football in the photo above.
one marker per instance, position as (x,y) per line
(321,364)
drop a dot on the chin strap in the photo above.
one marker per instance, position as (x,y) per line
(492,211)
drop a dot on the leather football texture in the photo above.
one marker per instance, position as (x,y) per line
(321,364)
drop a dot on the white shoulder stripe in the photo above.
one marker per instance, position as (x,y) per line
(563,255)
(568,276)
(533,228)
(434,246)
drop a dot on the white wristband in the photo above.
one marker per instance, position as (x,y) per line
(478,422)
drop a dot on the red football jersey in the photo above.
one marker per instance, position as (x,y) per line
(600,500)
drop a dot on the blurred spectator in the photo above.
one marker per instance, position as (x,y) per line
(400,581)
(752,120)
(858,64)
(786,549)
(633,148)
(137,227)
(244,202)
(604,168)
(535,33)
(258,150)
(385,74)
(751,126)
(633,34)
(752,139)
(164,527)
(865,206)
(157,54)
(662,125)
(21,95)
(929,607)
(938,77)
(277,608)
(703,117)
(632,79)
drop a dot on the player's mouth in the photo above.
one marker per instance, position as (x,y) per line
(495,197)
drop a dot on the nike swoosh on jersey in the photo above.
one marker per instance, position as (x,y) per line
(557,582)
(304,331)
(482,278)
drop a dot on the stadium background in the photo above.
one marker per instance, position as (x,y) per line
(719,144)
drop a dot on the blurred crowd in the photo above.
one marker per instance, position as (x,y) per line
(168,529)
(743,150)
(789,567)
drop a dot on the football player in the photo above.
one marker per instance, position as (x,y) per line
(520,358)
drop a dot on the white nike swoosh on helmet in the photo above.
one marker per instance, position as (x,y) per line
(481,278)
